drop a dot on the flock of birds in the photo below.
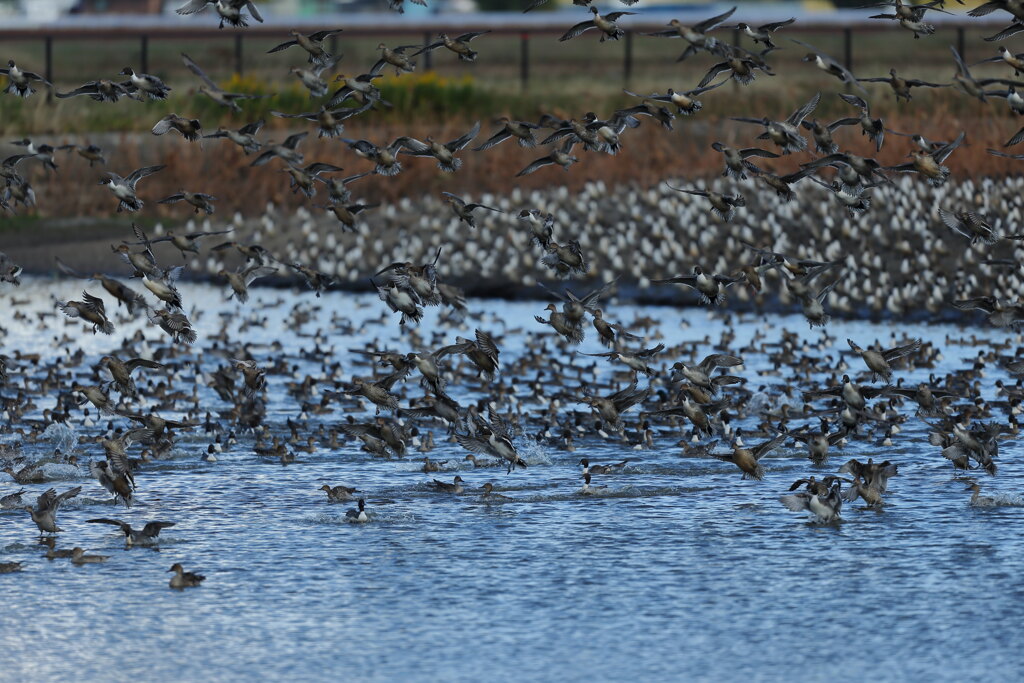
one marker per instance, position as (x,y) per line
(703,399)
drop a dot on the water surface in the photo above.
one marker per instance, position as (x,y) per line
(678,570)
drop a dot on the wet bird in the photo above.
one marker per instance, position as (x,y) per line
(611,407)
(146,536)
(818,443)
(978,500)
(873,474)
(825,507)
(601,469)
(495,441)
(454,487)
(748,459)
(589,489)
(338,494)
(78,556)
(858,489)
(44,514)
(489,494)
(358,515)
(183,579)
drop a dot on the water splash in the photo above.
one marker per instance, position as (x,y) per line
(62,436)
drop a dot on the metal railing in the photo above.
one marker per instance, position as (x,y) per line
(237,39)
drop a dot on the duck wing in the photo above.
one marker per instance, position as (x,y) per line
(577,30)
(708,24)
(460,142)
(194,68)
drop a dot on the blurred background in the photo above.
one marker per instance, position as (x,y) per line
(55,10)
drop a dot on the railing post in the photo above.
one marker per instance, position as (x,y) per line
(848,48)
(238,53)
(48,47)
(960,46)
(627,64)
(427,59)
(144,53)
(524,61)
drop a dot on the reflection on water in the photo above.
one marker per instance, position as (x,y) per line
(678,569)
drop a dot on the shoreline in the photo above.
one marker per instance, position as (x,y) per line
(896,256)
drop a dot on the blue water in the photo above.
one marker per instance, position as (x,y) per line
(678,570)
